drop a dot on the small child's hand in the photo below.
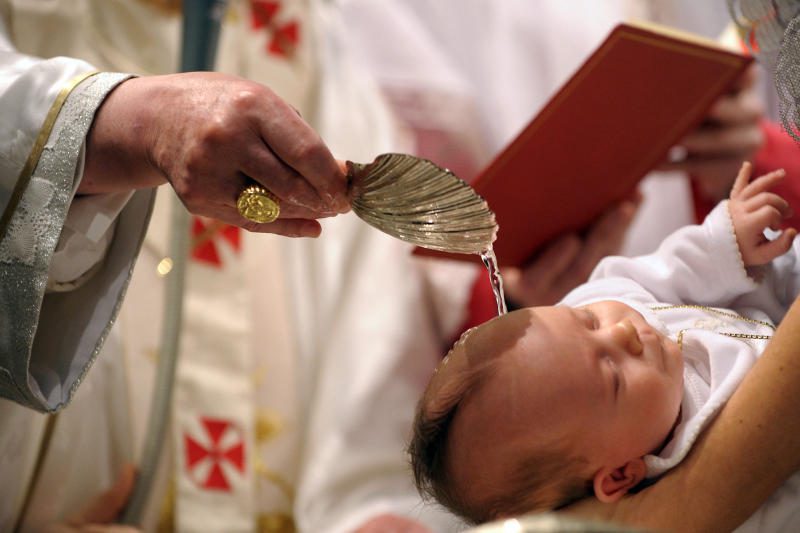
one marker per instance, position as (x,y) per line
(753,209)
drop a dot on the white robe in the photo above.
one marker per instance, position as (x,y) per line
(702,266)
(311,354)
(47,108)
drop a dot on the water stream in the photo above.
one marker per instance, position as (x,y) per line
(490,261)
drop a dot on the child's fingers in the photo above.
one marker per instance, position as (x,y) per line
(777,247)
(741,179)
(770,199)
(763,183)
(767,217)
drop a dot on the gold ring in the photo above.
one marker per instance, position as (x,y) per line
(258,204)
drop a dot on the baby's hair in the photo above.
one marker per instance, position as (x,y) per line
(431,431)
(549,478)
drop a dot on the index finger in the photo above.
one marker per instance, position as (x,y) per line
(764,183)
(740,108)
(747,79)
(605,237)
(742,178)
(300,147)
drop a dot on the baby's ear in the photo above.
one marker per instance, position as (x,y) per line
(611,484)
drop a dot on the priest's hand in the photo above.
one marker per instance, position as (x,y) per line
(99,514)
(569,260)
(730,134)
(210,135)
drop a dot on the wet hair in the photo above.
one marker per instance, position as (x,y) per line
(549,478)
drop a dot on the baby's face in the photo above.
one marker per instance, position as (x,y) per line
(598,378)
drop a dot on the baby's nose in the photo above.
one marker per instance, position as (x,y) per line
(624,335)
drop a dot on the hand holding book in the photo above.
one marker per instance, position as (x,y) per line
(568,260)
(633,99)
(730,133)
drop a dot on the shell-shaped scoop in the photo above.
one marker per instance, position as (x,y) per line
(418,202)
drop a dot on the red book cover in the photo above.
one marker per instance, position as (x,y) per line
(615,120)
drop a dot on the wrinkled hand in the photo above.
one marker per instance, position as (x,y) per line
(389,523)
(209,135)
(729,135)
(569,260)
(753,209)
(98,515)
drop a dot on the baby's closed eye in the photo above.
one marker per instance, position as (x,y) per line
(615,374)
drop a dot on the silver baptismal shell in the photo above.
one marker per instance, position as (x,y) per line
(419,202)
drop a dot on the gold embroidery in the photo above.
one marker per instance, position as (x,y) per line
(268,426)
(36,151)
(275,523)
(166,515)
(719,312)
(714,311)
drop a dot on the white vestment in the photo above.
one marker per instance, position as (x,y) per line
(301,360)
(695,287)
(47,108)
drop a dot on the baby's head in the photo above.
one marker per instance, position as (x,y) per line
(544,405)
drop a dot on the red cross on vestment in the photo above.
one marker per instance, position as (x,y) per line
(215,454)
(282,36)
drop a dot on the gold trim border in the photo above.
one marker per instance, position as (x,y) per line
(36,151)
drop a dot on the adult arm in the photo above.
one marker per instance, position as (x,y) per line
(48,106)
(744,456)
(74,138)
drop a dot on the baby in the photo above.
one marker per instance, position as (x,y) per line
(546,405)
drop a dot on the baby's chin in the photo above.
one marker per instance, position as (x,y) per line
(670,433)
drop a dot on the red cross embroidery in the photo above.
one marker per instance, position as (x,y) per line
(219,450)
(282,37)
(205,239)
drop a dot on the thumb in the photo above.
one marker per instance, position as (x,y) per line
(772,249)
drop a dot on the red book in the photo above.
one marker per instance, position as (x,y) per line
(615,120)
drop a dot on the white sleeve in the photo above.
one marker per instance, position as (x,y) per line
(49,341)
(87,233)
(694,265)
